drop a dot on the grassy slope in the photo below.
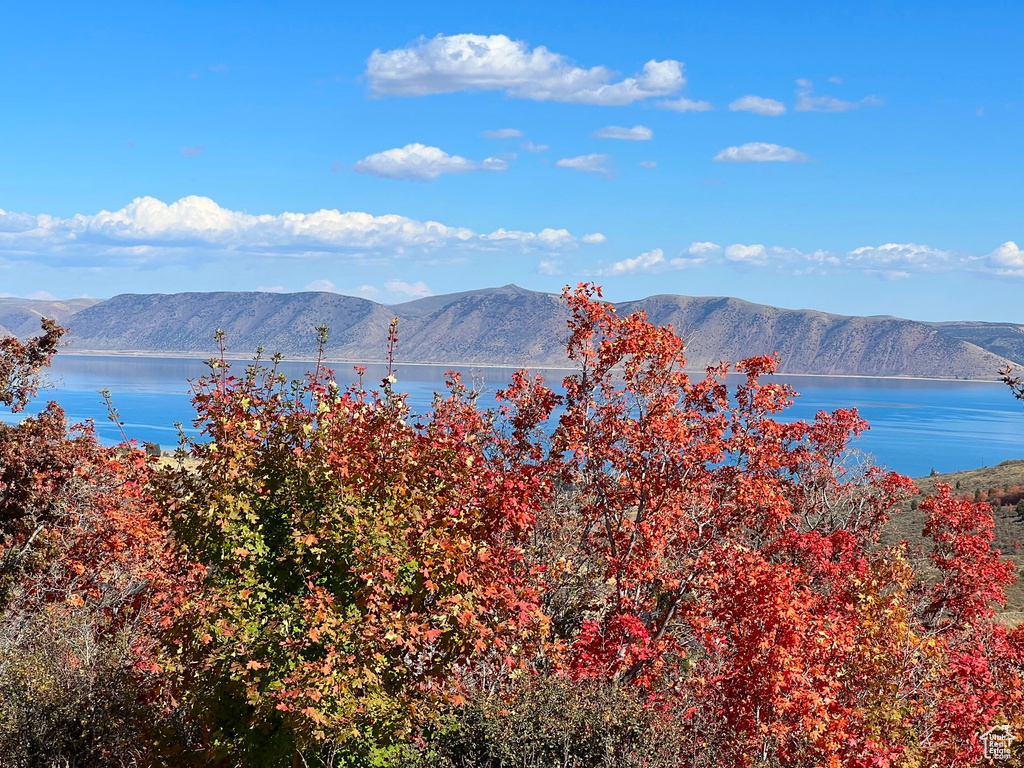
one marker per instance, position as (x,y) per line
(1009,527)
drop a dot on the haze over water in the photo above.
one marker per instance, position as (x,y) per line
(916,425)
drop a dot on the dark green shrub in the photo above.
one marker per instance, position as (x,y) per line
(553,723)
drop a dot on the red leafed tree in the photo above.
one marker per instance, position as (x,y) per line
(22,362)
(328,578)
(87,577)
(978,665)
(731,564)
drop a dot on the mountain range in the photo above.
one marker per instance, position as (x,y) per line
(514,326)
(20,317)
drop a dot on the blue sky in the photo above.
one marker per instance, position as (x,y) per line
(862,159)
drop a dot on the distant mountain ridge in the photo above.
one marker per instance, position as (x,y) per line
(20,317)
(514,326)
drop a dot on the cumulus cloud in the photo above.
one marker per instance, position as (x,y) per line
(593,237)
(636,133)
(503,133)
(760,152)
(704,249)
(451,63)
(1007,259)
(695,255)
(899,255)
(148,227)
(416,290)
(418,162)
(548,238)
(890,261)
(759,105)
(322,285)
(645,262)
(529,146)
(807,101)
(685,105)
(747,254)
(592,163)
(654,260)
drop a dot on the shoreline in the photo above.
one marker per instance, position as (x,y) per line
(463,365)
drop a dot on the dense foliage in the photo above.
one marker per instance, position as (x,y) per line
(647,570)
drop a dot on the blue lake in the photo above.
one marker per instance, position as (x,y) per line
(916,425)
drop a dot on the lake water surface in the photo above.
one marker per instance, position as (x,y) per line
(916,425)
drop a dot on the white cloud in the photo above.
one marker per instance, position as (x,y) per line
(747,254)
(654,260)
(695,255)
(890,261)
(418,162)
(645,262)
(636,133)
(686,105)
(593,237)
(503,133)
(451,63)
(549,267)
(549,238)
(648,164)
(806,101)
(704,249)
(899,256)
(322,285)
(415,290)
(759,105)
(592,163)
(529,146)
(1007,259)
(148,228)
(41,296)
(760,152)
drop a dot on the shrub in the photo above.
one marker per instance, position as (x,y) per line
(86,577)
(553,722)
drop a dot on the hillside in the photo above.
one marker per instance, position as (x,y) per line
(515,326)
(1009,525)
(20,317)
(1006,339)
(816,342)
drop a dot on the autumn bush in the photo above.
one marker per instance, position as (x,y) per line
(87,576)
(363,571)
(642,569)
